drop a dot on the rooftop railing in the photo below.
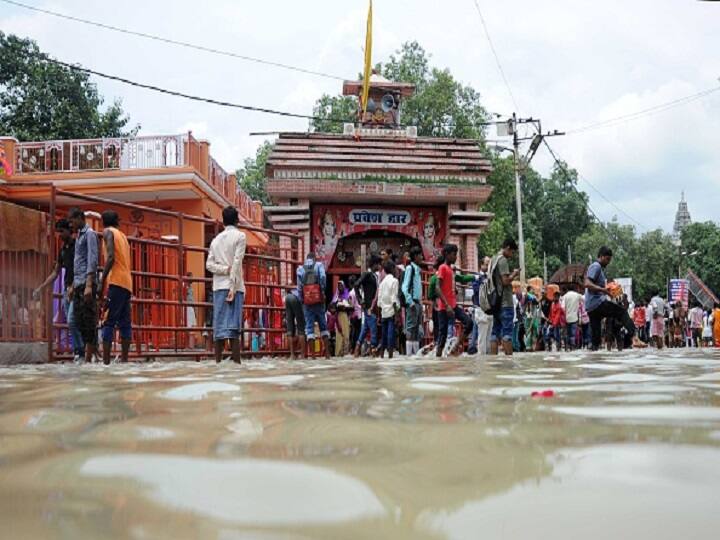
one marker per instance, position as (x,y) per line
(121,153)
(134,153)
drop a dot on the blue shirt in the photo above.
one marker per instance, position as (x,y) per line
(412,291)
(319,270)
(86,256)
(596,274)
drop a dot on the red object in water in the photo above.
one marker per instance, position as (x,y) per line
(543,394)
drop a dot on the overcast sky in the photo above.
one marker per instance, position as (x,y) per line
(569,62)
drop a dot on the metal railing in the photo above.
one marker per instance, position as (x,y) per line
(171,310)
(134,153)
(122,153)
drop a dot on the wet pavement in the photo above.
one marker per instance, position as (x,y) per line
(628,447)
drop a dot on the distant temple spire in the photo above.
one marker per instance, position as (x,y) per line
(682,217)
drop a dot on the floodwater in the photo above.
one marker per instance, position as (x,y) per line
(629,447)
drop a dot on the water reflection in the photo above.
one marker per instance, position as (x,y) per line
(355,449)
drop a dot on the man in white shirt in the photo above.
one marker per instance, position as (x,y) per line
(224,262)
(389,307)
(571,303)
(657,325)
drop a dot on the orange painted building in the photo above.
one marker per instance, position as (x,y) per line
(175,173)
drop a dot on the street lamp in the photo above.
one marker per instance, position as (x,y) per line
(685,254)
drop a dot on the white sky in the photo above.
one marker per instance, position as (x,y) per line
(569,62)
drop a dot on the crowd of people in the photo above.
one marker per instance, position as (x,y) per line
(381,311)
(386,309)
(87,299)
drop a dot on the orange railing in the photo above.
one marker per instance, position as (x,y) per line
(171,311)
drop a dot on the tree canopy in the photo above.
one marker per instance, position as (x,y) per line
(701,245)
(251,176)
(441,106)
(43,101)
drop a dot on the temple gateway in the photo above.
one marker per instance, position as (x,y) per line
(378,185)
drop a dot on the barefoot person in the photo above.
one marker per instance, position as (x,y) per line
(117,278)
(64,265)
(502,328)
(84,282)
(224,262)
(598,305)
(295,323)
(449,310)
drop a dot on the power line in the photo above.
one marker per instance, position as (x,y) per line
(174,41)
(495,54)
(645,112)
(565,172)
(176,93)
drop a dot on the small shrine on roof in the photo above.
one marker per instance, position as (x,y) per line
(378,185)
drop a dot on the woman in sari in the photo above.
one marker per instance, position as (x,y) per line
(716,324)
(342,303)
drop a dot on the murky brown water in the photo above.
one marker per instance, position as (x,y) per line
(628,448)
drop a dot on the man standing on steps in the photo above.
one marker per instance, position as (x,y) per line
(225,263)
(116,276)
(84,281)
(598,305)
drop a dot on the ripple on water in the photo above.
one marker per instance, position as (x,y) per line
(277,379)
(606,480)
(660,413)
(247,491)
(197,391)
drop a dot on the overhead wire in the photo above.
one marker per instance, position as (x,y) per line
(184,95)
(563,169)
(495,55)
(645,112)
(171,41)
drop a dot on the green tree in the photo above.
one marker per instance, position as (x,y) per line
(40,100)
(331,112)
(655,262)
(703,238)
(440,107)
(251,176)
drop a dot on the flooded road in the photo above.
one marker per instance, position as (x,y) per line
(629,447)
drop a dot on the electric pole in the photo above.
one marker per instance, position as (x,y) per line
(518,199)
(510,127)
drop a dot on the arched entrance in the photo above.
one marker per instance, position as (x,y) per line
(352,252)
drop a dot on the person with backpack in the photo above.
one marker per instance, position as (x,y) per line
(449,310)
(503,308)
(412,299)
(311,281)
(366,288)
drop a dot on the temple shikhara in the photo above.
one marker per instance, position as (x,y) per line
(378,185)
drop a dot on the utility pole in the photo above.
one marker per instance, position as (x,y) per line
(509,127)
(569,255)
(518,199)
